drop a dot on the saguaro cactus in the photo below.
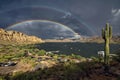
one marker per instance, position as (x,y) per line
(107,35)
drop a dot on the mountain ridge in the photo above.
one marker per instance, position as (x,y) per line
(18,37)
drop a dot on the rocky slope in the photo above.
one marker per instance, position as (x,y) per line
(18,37)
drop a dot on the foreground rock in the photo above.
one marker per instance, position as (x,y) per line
(18,37)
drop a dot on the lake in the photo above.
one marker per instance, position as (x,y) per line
(83,49)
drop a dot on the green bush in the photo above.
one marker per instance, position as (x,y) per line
(19,55)
(1,78)
(95,59)
(76,56)
(41,53)
(8,57)
(55,57)
(73,55)
(36,50)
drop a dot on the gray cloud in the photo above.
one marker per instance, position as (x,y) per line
(115,20)
(94,13)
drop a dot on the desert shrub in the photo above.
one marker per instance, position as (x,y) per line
(78,57)
(36,50)
(19,55)
(55,57)
(2,59)
(17,76)
(41,53)
(117,58)
(2,78)
(75,56)
(95,59)
(8,57)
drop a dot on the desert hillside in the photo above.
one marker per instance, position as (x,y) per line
(115,39)
(17,37)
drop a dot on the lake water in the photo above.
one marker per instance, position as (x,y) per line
(83,49)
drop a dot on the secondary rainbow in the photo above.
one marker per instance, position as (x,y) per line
(43,21)
(52,8)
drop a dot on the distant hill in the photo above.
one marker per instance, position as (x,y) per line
(17,38)
(97,39)
(115,39)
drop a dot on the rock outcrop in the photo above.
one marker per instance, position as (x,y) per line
(18,37)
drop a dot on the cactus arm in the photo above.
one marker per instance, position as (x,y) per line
(107,27)
(110,32)
(103,33)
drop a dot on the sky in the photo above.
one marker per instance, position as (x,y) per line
(85,17)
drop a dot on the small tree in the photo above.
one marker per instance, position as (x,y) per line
(107,35)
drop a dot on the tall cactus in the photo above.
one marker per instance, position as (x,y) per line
(107,35)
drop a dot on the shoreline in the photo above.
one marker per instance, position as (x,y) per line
(75,41)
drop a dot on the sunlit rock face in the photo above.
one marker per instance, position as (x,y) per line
(43,29)
(18,37)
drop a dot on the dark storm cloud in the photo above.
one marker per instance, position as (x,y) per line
(94,13)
